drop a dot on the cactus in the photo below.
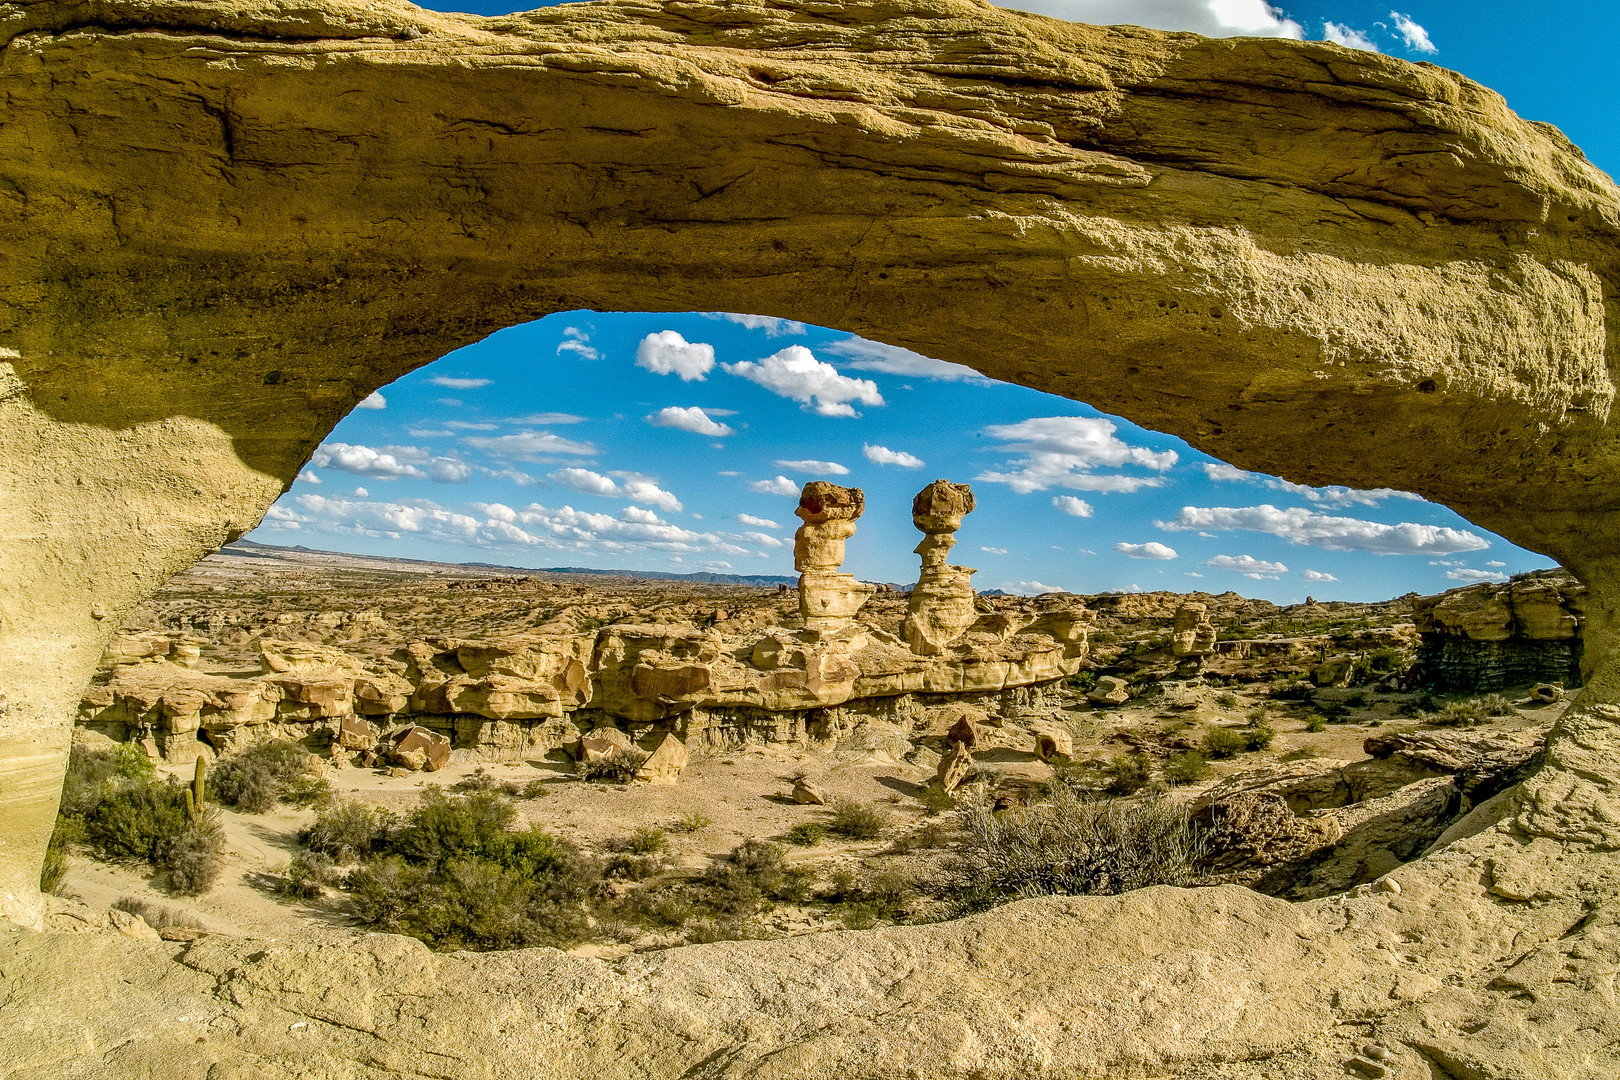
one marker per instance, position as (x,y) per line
(198,789)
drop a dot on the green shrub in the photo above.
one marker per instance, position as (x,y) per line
(1318,722)
(307,875)
(454,875)
(618,766)
(1227,700)
(346,831)
(55,867)
(1257,736)
(533,789)
(806,834)
(1127,774)
(857,821)
(113,803)
(1187,767)
(1073,846)
(755,871)
(135,818)
(255,779)
(647,840)
(1357,700)
(690,822)
(1082,682)
(444,826)
(1300,691)
(1334,713)
(1224,742)
(1422,702)
(632,867)
(1383,661)
(193,854)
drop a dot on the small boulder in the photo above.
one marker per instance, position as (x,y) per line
(1334,671)
(1051,742)
(132,926)
(1547,694)
(666,762)
(416,747)
(601,742)
(964,732)
(355,734)
(953,768)
(807,794)
(1110,690)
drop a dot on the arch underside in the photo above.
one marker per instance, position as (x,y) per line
(225,224)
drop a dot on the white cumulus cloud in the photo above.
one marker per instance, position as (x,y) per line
(1317,575)
(1212,18)
(1030,588)
(772,326)
(992,550)
(1463,573)
(765,539)
(668,353)
(387,463)
(691,419)
(373,400)
(1413,36)
(544,419)
(453,383)
(1221,472)
(780,486)
(795,373)
(1072,506)
(1063,451)
(1248,566)
(309,476)
(1347,36)
(757,522)
(447,470)
(1150,550)
(864,355)
(814,467)
(1316,529)
(584,481)
(538,446)
(882,455)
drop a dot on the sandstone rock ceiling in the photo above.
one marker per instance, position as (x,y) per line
(226,223)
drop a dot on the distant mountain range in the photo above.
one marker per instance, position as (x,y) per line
(253,549)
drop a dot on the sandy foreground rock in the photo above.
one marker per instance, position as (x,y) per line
(228,223)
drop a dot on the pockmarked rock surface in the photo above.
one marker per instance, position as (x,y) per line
(227,223)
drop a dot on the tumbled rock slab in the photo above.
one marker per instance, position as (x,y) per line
(665,764)
(1110,690)
(417,747)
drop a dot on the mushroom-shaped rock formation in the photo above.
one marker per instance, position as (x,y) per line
(827,598)
(227,222)
(941,603)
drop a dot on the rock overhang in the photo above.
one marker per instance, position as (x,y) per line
(227,223)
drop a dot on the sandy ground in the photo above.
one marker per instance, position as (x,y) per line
(741,795)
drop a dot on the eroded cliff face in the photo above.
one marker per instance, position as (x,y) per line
(226,223)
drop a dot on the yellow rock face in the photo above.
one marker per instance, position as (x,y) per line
(227,223)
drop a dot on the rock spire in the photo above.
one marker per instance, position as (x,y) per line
(941,605)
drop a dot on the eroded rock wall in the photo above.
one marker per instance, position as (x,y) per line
(1486,637)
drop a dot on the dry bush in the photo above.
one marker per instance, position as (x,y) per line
(857,821)
(255,779)
(619,766)
(1070,845)
(158,916)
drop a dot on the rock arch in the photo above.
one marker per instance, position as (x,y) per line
(225,223)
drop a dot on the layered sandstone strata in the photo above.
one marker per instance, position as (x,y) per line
(1489,636)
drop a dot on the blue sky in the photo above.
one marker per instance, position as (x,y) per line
(676,442)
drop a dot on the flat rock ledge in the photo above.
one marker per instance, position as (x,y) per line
(1493,956)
